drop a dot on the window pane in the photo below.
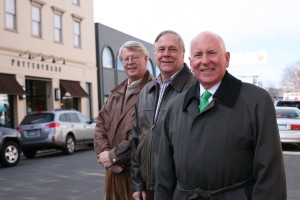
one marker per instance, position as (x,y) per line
(75,2)
(73,117)
(76,28)
(10,14)
(157,70)
(83,118)
(119,65)
(57,21)
(36,14)
(107,59)
(63,118)
(9,21)
(6,111)
(77,39)
(57,28)
(10,6)
(57,35)
(150,67)
(88,101)
(35,28)
(36,21)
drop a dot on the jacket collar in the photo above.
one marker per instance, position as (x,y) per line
(120,89)
(226,94)
(179,80)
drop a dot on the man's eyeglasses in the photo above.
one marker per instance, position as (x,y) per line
(132,59)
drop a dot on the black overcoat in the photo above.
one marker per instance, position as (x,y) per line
(229,151)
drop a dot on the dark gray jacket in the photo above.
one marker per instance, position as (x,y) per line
(229,151)
(146,131)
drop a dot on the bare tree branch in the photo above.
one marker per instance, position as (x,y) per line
(291,77)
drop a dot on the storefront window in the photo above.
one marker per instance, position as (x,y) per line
(69,102)
(6,114)
(36,99)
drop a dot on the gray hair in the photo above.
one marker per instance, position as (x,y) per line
(133,46)
(181,43)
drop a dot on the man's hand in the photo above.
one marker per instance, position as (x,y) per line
(141,195)
(104,160)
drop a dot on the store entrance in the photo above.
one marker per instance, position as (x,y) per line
(36,99)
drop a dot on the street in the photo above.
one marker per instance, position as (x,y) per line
(292,162)
(52,175)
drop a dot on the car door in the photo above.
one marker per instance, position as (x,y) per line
(76,126)
(88,125)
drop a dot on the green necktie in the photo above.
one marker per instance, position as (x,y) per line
(204,100)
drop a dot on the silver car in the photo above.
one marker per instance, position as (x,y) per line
(58,129)
(288,121)
(10,147)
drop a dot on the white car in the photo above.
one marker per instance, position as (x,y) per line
(288,120)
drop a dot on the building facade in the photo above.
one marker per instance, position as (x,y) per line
(110,69)
(47,58)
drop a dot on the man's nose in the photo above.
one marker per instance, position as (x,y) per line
(166,52)
(205,59)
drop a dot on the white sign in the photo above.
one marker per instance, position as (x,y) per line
(249,58)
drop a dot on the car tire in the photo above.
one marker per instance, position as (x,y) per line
(29,153)
(69,145)
(10,154)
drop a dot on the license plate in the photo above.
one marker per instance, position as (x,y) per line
(282,127)
(32,133)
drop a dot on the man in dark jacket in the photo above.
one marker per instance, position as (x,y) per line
(175,77)
(115,121)
(228,150)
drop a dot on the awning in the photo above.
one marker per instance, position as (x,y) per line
(74,88)
(9,85)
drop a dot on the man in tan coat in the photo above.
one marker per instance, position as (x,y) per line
(115,121)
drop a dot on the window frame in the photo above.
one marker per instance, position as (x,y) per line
(77,37)
(58,12)
(107,58)
(77,33)
(13,15)
(38,22)
(58,37)
(76,2)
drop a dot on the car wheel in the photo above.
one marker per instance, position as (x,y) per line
(69,145)
(29,153)
(10,154)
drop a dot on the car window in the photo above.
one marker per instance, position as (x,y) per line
(63,117)
(289,104)
(83,119)
(38,118)
(293,114)
(72,117)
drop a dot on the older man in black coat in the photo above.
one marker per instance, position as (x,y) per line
(229,150)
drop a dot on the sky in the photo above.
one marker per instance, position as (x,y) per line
(263,36)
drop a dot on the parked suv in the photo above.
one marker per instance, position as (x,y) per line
(10,147)
(288,103)
(58,129)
